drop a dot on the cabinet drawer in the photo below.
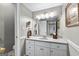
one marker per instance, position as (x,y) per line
(58,52)
(41,51)
(29,47)
(45,44)
(58,46)
(29,42)
(30,53)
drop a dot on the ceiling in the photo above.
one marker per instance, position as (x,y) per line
(41,6)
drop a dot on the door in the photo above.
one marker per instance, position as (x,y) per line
(42,27)
(58,52)
(41,51)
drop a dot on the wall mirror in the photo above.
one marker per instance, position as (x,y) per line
(47,26)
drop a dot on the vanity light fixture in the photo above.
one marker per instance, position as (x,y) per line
(38,17)
(52,14)
(46,15)
(42,16)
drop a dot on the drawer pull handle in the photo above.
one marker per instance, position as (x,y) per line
(58,46)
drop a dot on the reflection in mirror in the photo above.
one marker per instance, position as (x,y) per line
(27,24)
(48,27)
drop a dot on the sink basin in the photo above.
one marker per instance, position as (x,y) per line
(40,37)
(43,38)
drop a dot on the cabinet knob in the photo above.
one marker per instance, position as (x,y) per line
(51,51)
(58,46)
(16,36)
(29,47)
(41,49)
(27,55)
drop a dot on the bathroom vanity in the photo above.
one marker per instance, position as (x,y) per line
(46,47)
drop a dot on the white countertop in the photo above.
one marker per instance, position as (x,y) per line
(60,40)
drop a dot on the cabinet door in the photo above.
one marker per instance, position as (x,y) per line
(29,48)
(58,52)
(41,51)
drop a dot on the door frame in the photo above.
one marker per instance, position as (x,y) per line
(17,30)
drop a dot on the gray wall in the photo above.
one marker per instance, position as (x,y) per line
(1,31)
(8,16)
(71,33)
(1,26)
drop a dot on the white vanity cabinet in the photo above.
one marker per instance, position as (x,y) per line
(58,49)
(29,48)
(42,48)
(42,51)
(58,52)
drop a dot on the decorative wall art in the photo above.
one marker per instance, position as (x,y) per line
(72,14)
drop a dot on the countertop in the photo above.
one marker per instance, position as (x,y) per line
(59,40)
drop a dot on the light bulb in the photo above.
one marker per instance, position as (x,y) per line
(47,15)
(38,17)
(42,16)
(51,14)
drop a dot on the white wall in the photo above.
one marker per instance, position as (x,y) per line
(23,29)
(52,9)
(71,33)
(40,6)
(25,16)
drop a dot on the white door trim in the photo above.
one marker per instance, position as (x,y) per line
(17,30)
